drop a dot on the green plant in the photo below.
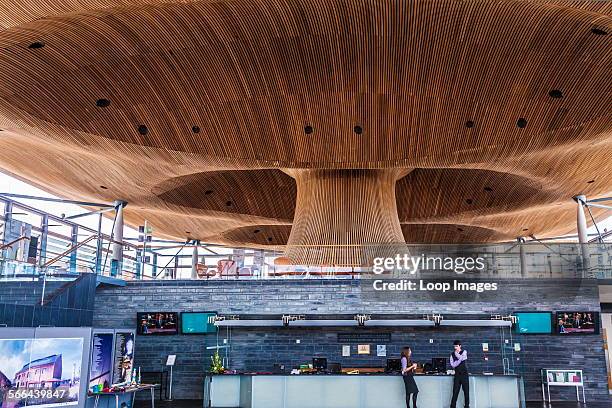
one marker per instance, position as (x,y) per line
(216,365)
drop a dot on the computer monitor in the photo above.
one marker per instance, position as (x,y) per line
(319,363)
(393,365)
(439,364)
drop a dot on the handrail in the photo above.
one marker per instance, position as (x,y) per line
(69,250)
(10,244)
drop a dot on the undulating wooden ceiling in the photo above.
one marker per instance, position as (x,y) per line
(484,118)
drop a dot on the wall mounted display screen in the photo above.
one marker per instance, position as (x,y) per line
(124,356)
(577,322)
(534,323)
(40,372)
(157,323)
(197,323)
(101,369)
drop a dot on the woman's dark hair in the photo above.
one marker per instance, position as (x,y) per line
(406,352)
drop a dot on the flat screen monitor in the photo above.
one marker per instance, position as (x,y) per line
(439,364)
(393,365)
(156,323)
(577,323)
(319,363)
(197,323)
(533,323)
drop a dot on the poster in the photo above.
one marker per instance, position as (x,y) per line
(124,357)
(363,349)
(381,350)
(41,372)
(100,372)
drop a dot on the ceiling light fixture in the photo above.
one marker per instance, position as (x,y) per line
(590,181)
(556,94)
(143,130)
(521,123)
(469,201)
(195,129)
(103,103)
(228,203)
(36,45)
(469,124)
(256,231)
(104,187)
(208,192)
(308,129)
(599,31)
(488,189)
(358,129)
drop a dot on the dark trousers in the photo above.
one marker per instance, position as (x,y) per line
(461,381)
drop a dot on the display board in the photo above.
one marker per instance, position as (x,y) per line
(577,323)
(534,323)
(101,368)
(152,323)
(43,367)
(197,323)
(123,360)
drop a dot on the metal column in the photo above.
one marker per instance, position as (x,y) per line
(583,237)
(117,257)
(194,260)
(43,240)
(523,256)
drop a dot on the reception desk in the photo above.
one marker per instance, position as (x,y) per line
(355,391)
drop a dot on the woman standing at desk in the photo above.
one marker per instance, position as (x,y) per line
(408,368)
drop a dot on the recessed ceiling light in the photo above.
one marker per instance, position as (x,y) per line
(36,45)
(521,123)
(103,103)
(228,203)
(460,229)
(555,93)
(256,231)
(104,187)
(525,229)
(208,192)
(269,239)
(599,31)
(469,201)
(143,130)
(187,232)
(469,124)
(195,129)
(358,129)
(308,129)
(590,181)
(488,189)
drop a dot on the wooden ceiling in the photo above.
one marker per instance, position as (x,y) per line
(498,111)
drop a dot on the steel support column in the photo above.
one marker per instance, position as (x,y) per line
(583,237)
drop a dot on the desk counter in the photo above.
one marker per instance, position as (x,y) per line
(355,391)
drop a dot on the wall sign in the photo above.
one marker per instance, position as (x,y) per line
(363,349)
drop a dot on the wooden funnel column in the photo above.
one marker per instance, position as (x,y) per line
(339,212)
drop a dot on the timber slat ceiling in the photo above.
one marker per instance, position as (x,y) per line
(490,115)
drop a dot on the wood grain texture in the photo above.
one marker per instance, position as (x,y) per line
(226,89)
